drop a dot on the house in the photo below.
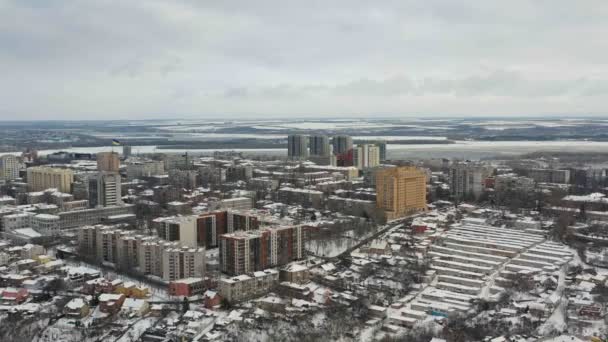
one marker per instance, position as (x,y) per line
(134,306)
(51,266)
(419,228)
(110,303)
(101,285)
(295,273)
(13,280)
(13,296)
(156,310)
(377,311)
(131,290)
(272,304)
(76,308)
(78,275)
(24,264)
(34,284)
(211,299)
(380,247)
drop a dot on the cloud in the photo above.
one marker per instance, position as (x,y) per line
(145,59)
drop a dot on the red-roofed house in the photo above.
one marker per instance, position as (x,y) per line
(14,296)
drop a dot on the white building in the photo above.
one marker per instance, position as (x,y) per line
(17,221)
(366,156)
(179,263)
(297,146)
(9,167)
(108,189)
(467,179)
(46,224)
(244,287)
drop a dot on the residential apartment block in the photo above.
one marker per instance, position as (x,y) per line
(149,255)
(400,191)
(41,178)
(250,251)
(243,287)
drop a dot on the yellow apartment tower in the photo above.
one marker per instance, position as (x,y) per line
(400,191)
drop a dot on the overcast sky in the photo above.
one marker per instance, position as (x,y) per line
(260,59)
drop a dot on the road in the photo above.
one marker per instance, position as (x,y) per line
(392,225)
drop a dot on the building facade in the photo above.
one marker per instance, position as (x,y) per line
(108,189)
(249,251)
(42,178)
(9,167)
(366,156)
(343,150)
(319,146)
(400,191)
(467,180)
(297,147)
(108,162)
(244,287)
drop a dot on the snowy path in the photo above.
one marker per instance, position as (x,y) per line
(557,320)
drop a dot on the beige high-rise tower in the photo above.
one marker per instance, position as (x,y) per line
(108,161)
(42,178)
(400,191)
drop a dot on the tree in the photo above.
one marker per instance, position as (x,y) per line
(601,291)
(56,284)
(95,300)
(185,305)
(225,304)
(560,230)
(520,282)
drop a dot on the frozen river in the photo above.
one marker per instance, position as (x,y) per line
(460,149)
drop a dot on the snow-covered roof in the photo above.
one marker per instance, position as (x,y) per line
(133,304)
(105,297)
(75,304)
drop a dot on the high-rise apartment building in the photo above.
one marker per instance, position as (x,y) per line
(42,178)
(342,144)
(108,161)
(366,156)
(251,251)
(154,256)
(178,228)
(319,146)
(108,189)
(126,151)
(9,167)
(400,191)
(467,179)
(239,172)
(183,262)
(550,176)
(211,225)
(343,150)
(148,168)
(382,149)
(297,146)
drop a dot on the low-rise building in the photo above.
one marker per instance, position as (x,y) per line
(187,287)
(303,197)
(76,308)
(111,303)
(135,307)
(295,273)
(245,287)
